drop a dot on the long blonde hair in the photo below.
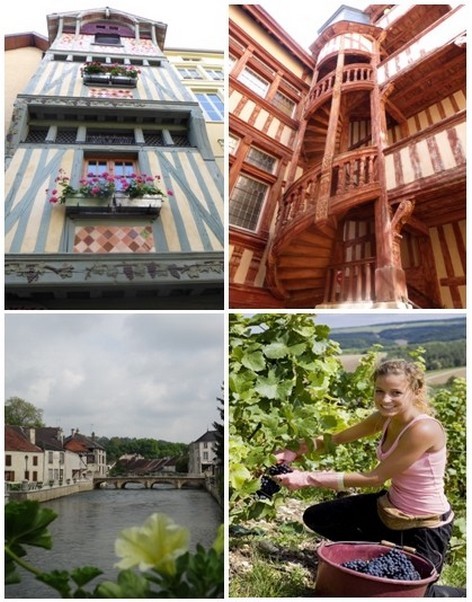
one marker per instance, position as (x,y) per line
(416,380)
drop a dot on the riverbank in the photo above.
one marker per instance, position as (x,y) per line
(50,493)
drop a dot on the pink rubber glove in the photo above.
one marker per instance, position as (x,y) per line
(298,479)
(286,455)
(293,480)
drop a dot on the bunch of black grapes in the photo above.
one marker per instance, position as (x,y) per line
(395,564)
(268,485)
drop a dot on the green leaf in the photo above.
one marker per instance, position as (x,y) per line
(254,361)
(58,580)
(83,575)
(276,350)
(26,524)
(239,475)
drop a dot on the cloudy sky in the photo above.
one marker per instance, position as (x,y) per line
(136,375)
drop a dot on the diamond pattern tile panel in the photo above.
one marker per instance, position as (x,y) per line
(110,93)
(113,239)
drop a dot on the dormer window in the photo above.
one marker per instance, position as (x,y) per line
(107,39)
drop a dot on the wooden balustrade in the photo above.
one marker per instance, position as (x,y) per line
(350,172)
(352,282)
(358,73)
(299,199)
(353,170)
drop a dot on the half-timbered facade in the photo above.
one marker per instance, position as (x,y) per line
(105,101)
(357,198)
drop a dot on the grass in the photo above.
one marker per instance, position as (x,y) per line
(267,580)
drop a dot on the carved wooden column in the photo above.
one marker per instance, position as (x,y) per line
(322,206)
(390,282)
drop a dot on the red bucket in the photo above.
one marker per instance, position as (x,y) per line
(334,580)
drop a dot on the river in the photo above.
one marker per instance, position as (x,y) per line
(88,523)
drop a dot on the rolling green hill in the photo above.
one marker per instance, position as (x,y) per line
(443,340)
(401,333)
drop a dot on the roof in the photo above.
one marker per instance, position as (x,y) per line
(25,40)
(143,465)
(208,436)
(79,443)
(16,439)
(50,437)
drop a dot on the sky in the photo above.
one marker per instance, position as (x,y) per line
(302,19)
(129,375)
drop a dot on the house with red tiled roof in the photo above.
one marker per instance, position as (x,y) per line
(92,455)
(138,465)
(24,460)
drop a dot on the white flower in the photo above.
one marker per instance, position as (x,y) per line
(156,544)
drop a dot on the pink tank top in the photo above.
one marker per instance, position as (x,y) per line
(418,490)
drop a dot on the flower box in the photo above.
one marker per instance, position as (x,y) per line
(148,200)
(80,200)
(118,206)
(96,78)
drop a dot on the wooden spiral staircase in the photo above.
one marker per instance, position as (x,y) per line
(306,264)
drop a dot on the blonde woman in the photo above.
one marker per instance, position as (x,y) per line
(411,455)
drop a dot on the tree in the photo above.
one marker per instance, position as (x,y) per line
(219,433)
(19,412)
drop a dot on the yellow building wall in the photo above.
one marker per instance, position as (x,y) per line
(20,65)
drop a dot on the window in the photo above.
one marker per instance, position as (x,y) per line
(26,475)
(254,82)
(212,105)
(35,476)
(122,169)
(37,135)
(246,202)
(205,456)
(61,457)
(233,143)
(8,460)
(9,475)
(284,103)
(216,74)
(261,159)
(66,135)
(50,457)
(35,460)
(189,73)
(107,39)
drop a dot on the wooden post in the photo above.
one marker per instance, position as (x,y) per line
(390,283)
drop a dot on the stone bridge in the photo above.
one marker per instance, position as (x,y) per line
(177,481)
